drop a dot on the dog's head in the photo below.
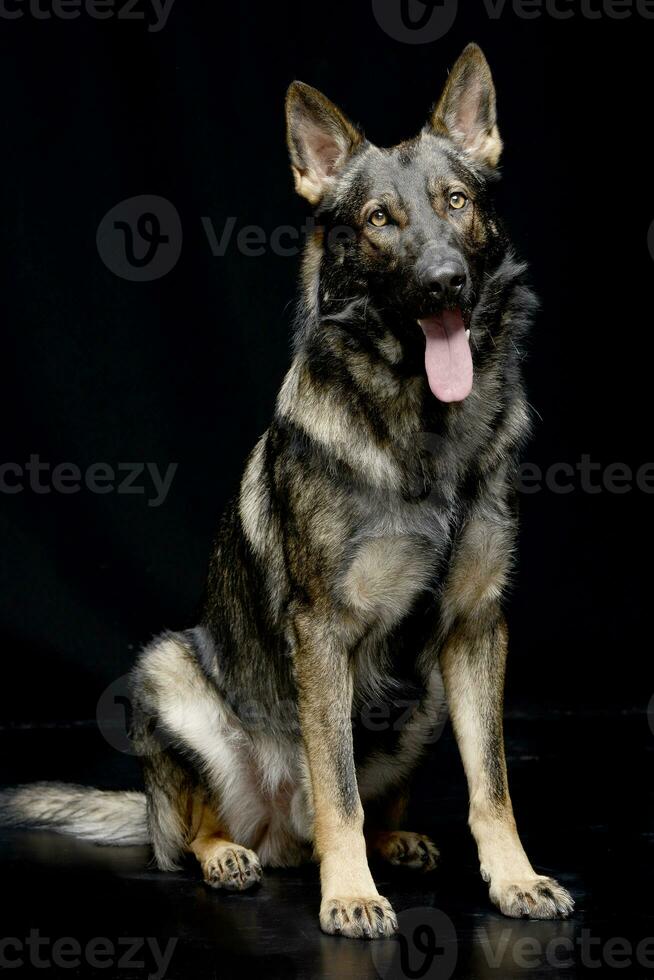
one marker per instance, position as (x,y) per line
(411,227)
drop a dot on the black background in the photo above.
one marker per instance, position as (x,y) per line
(185,369)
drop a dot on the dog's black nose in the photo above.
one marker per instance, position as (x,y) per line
(447,281)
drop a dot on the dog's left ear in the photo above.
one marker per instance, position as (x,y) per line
(467,112)
(320,139)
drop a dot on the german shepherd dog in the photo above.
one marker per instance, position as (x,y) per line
(363,563)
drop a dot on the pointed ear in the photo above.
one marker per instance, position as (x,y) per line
(466,112)
(320,139)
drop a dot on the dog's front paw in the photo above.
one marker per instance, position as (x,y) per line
(536,898)
(406,849)
(358,918)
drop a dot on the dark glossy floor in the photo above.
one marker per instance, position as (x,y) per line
(582,793)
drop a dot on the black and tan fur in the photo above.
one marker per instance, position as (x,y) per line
(362,566)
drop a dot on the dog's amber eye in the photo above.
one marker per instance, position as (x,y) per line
(379,218)
(458,200)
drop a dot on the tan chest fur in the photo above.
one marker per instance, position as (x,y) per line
(384,576)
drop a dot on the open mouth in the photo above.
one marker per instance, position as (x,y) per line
(448,359)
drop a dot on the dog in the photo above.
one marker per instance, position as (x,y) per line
(359,573)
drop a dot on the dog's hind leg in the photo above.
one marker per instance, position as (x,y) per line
(386,841)
(203,789)
(224,864)
(169,784)
(169,791)
(404,849)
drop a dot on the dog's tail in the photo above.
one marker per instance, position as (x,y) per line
(100,816)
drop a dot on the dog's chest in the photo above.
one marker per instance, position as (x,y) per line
(398,552)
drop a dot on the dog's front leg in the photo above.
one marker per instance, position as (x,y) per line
(473,665)
(351,904)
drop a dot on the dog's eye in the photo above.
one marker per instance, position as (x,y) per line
(458,200)
(379,218)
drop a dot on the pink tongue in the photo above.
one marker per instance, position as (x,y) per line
(448,360)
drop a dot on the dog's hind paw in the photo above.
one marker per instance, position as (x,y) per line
(232,867)
(405,849)
(534,898)
(358,918)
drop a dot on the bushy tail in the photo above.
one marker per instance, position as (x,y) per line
(101,816)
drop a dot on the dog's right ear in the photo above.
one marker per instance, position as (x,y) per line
(320,139)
